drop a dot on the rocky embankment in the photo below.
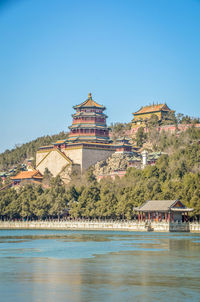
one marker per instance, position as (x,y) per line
(116,162)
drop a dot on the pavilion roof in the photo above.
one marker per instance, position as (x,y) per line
(161,205)
(28,175)
(89,103)
(152,108)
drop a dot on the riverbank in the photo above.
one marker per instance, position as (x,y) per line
(102,225)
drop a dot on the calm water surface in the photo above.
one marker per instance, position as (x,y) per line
(98,266)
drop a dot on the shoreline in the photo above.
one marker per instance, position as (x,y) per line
(132,226)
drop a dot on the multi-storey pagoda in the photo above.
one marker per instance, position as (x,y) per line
(88,142)
(89,123)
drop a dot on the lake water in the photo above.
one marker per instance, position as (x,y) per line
(98,266)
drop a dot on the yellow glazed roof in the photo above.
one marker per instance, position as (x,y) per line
(153,108)
(89,103)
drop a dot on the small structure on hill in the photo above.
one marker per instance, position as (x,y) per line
(163,210)
(31,176)
(150,158)
(118,163)
(123,145)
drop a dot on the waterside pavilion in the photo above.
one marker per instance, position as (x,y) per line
(163,210)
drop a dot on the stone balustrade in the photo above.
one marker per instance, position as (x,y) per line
(102,225)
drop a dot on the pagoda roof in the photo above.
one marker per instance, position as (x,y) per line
(59,142)
(88,126)
(123,139)
(88,114)
(88,138)
(90,143)
(89,103)
(153,108)
(28,175)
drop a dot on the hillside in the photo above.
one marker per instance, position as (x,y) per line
(16,156)
(19,154)
(174,176)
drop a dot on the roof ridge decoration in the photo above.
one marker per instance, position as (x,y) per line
(153,108)
(89,102)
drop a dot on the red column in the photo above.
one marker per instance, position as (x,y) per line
(169,218)
(166,216)
(149,214)
(172,217)
(141,216)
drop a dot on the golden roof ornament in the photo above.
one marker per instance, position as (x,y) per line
(89,95)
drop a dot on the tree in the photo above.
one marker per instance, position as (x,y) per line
(153,121)
(87,201)
(140,137)
(57,197)
(47,177)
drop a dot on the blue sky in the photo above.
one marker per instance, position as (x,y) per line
(127,53)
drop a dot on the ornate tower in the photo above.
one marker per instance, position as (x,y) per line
(88,142)
(89,123)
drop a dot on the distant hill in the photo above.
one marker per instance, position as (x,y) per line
(17,155)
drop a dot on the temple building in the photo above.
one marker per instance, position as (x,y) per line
(145,113)
(89,123)
(88,142)
(123,145)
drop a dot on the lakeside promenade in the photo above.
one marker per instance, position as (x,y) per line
(102,225)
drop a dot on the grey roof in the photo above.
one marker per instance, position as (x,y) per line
(181,210)
(157,205)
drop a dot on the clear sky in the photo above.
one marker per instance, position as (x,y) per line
(128,53)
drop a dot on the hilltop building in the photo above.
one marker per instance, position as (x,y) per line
(142,116)
(89,123)
(88,142)
(161,111)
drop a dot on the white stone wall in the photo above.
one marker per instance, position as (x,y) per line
(40,155)
(75,154)
(195,227)
(86,157)
(100,225)
(92,156)
(55,162)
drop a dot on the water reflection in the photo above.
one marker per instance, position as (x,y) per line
(99,266)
